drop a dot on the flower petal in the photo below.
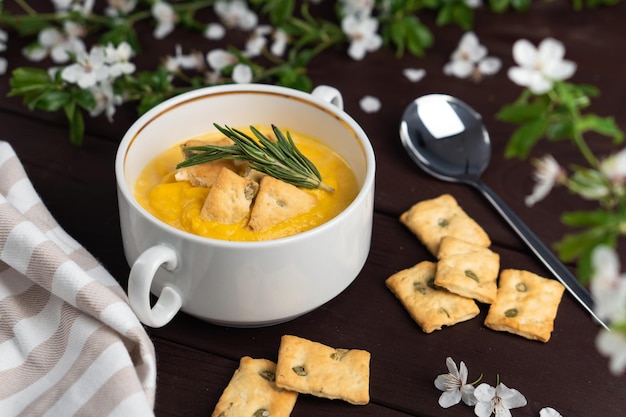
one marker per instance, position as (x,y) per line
(449,398)
(490,65)
(414,74)
(370,104)
(511,398)
(560,70)
(613,344)
(242,74)
(483,409)
(441,382)
(524,53)
(549,412)
(551,49)
(467,395)
(484,392)
(539,84)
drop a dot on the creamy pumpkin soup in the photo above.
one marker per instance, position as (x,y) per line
(226,199)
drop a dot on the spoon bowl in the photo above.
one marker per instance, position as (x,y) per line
(447,139)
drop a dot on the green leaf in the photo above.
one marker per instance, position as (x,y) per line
(521,112)
(499,6)
(76,124)
(573,246)
(524,138)
(418,36)
(278,10)
(53,100)
(603,125)
(560,129)
(586,218)
(24,80)
(463,16)
(84,99)
(520,5)
(408,33)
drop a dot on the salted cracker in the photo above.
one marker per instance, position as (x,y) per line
(430,220)
(526,305)
(252,392)
(203,175)
(229,199)
(431,307)
(310,367)
(276,202)
(467,269)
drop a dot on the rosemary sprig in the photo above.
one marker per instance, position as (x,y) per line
(281,158)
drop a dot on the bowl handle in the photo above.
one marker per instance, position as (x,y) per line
(328,94)
(139,283)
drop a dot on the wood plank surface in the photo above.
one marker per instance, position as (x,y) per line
(196,359)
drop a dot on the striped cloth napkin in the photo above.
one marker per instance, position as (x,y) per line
(69,343)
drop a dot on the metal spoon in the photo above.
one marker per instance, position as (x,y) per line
(448,140)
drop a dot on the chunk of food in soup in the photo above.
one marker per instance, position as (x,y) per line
(228,200)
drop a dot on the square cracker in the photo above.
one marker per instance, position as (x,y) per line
(430,306)
(276,202)
(252,391)
(526,305)
(467,269)
(229,199)
(430,220)
(313,368)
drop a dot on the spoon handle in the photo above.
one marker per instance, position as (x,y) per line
(542,252)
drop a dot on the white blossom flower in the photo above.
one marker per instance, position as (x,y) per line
(549,412)
(184,61)
(56,44)
(218,59)
(84,8)
(547,173)
(498,400)
(473,4)
(607,286)
(88,69)
(235,14)
(614,167)
(257,41)
(370,104)
(214,31)
(454,385)
(470,59)
(280,42)
(117,8)
(242,74)
(165,17)
(358,8)
(414,74)
(118,59)
(613,345)
(539,68)
(106,100)
(363,35)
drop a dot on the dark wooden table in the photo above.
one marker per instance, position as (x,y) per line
(196,359)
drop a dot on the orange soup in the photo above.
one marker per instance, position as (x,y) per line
(179,204)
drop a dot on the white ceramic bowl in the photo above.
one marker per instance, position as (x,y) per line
(242,283)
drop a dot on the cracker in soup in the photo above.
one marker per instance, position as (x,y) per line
(230,198)
(276,202)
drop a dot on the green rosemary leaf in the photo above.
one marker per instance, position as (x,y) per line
(281,158)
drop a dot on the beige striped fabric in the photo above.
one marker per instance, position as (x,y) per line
(69,343)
